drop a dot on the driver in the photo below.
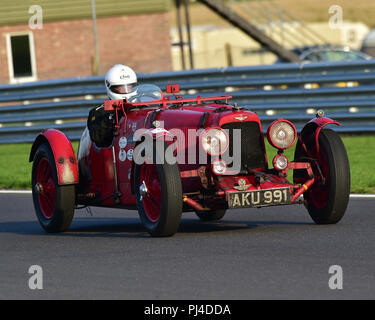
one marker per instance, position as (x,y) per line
(120,83)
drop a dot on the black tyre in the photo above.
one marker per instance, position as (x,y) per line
(213,215)
(327,199)
(158,191)
(54,205)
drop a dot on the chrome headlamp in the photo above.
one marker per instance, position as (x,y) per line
(281,134)
(214,141)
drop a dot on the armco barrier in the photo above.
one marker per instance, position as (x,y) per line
(346,91)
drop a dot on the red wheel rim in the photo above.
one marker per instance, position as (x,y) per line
(319,191)
(152,200)
(46,188)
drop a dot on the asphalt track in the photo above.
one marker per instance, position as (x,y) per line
(271,253)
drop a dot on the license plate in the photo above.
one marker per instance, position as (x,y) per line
(259,198)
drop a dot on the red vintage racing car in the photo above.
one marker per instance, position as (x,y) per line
(163,154)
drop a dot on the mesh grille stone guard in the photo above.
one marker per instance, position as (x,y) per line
(252,147)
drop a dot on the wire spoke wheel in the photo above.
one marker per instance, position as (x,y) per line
(46,185)
(328,197)
(152,199)
(318,193)
(54,204)
(158,191)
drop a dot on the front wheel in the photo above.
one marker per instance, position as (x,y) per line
(328,197)
(54,204)
(158,191)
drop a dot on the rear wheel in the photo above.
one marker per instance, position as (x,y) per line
(212,215)
(54,204)
(327,199)
(158,191)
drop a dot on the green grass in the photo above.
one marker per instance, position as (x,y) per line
(361,153)
(15,170)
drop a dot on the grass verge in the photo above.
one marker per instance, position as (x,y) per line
(361,152)
(15,170)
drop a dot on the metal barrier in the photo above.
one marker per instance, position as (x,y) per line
(346,91)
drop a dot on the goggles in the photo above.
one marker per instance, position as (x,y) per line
(123,88)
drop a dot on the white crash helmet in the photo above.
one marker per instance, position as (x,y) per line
(120,82)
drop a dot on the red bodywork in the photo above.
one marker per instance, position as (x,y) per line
(315,126)
(202,188)
(65,159)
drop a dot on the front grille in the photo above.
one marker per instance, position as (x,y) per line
(252,145)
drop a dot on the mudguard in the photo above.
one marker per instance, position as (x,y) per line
(314,126)
(65,159)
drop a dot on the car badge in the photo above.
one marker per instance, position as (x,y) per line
(242,186)
(122,142)
(158,130)
(156,124)
(122,155)
(130,154)
(241,118)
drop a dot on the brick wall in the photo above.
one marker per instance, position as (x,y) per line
(65,49)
